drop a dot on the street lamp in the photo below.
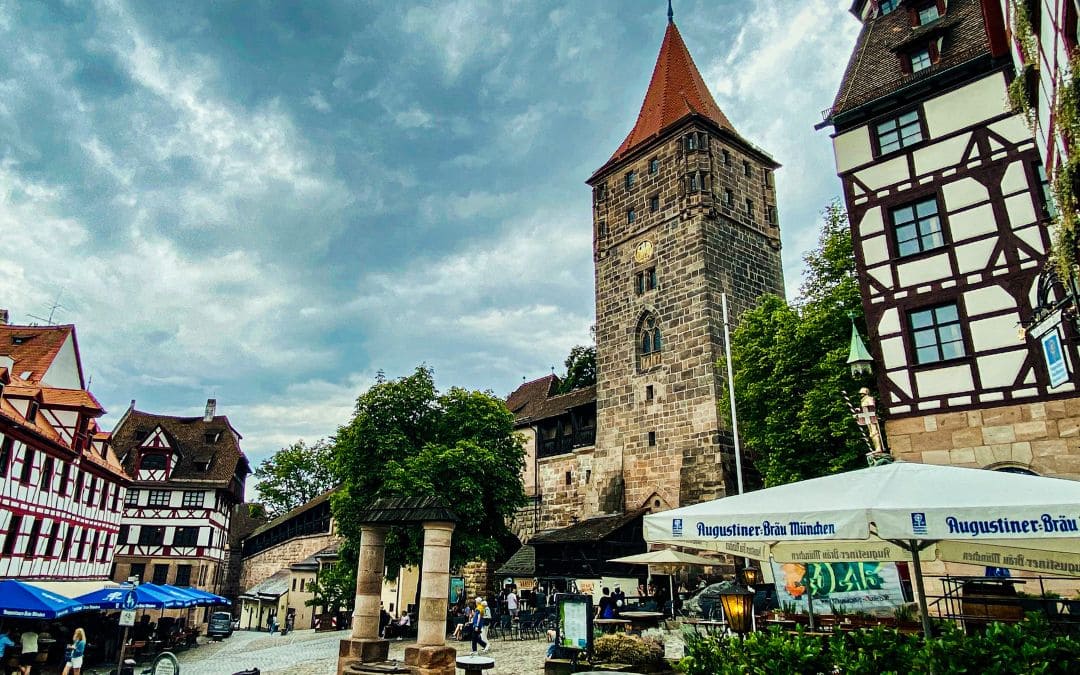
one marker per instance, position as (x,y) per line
(738,604)
(858,357)
(750,576)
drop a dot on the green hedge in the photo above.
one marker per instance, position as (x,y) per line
(1023,648)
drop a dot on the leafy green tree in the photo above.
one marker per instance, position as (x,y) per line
(334,588)
(408,440)
(580,369)
(790,363)
(294,475)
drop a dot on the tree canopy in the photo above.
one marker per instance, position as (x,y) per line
(790,363)
(293,476)
(408,440)
(580,369)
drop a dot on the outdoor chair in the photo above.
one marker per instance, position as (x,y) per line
(504,626)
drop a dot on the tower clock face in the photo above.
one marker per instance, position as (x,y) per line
(643,251)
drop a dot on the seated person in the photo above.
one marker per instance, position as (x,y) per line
(400,627)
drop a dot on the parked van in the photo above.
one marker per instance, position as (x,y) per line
(220,625)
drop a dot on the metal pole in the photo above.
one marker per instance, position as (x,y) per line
(123,643)
(917,564)
(731,395)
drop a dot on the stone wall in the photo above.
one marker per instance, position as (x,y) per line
(257,568)
(1040,437)
(479,580)
(671,449)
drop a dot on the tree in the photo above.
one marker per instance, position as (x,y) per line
(294,475)
(334,588)
(790,363)
(408,440)
(580,369)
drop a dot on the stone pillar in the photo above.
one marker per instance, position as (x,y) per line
(431,656)
(365,645)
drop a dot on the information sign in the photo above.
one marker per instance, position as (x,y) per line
(165,664)
(1055,358)
(574,627)
(127,617)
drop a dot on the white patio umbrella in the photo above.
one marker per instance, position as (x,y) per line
(887,513)
(669,559)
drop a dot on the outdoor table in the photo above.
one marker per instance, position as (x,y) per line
(613,623)
(475,665)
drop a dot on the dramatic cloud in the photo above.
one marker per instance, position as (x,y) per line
(270,206)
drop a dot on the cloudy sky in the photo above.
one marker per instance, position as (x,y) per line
(269,202)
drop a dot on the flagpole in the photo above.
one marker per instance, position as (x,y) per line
(731,395)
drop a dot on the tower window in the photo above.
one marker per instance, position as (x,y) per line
(936,334)
(649,393)
(750,209)
(652,438)
(630,216)
(600,191)
(649,336)
(729,198)
(602,228)
(747,169)
(917,227)
(569,478)
(654,203)
(766,178)
(694,182)
(727,158)
(899,132)
(920,59)
(654,166)
(646,280)
(631,178)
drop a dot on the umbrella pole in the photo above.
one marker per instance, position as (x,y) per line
(671,593)
(810,605)
(917,564)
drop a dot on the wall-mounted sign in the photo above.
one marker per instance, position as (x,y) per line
(457,589)
(1054,356)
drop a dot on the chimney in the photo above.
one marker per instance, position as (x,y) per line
(211,410)
(3,317)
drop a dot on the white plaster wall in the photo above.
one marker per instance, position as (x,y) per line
(940,155)
(889,322)
(871,222)
(64,371)
(973,222)
(902,380)
(987,299)
(995,332)
(924,270)
(875,249)
(966,106)
(1021,210)
(944,380)
(852,149)
(1000,370)
(892,352)
(1014,179)
(885,173)
(963,192)
(974,256)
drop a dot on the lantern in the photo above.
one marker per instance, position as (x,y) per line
(738,607)
(750,576)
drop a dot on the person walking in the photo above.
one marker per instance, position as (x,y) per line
(512,604)
(74,653)
(478,626)
(29,641)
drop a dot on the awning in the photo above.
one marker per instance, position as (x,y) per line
(72,588)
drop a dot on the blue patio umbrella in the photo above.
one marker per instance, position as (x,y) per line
(177,595)
(113,598)
(204,598)
(18,599)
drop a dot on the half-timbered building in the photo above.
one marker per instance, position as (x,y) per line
(948,206)
(188,473)
(61,485)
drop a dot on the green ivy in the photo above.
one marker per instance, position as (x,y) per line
(1067,175)
(1023,32)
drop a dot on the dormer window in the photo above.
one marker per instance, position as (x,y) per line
(19,339)
(920,59)
(212,437)
(153,462)
(887,6)
(928,14)
(141,434)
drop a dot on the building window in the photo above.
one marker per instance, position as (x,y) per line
(652,438)
(899,132)
(159,498)
(601,192)
(630,179)
(161,574)
(649,336)
(32,541)
(122,537)
(302,584)
(693,182)
(887,6)
(569,478)
(65,474)
(54,536)
(646,280)
(67,552)
(151,535)
(1046,195)
(747,169)
(14,525)
(920,59)
(6,448)
(131,498)
(601,229)
(654,203)
(152,462)
(649,392)
(81,554)
(727,158)
(770,215)
(936,334)
(917,227)
(186,536)
(47,474)
(630,216)
(138,570)
(750,209)
(194,497)
(27,465)
(928,14)
(79,478)
(729,198)
(654,166)
(94,546)
(766,178)
(91,491)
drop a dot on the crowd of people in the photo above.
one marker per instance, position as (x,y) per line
(31,641)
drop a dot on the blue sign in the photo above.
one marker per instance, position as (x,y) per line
(676,527)
(1055,358)
(918,523)
(130,601)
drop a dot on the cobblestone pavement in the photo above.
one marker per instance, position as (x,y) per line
(305,652)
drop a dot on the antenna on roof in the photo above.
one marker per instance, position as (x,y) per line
(52,310)
(670,14)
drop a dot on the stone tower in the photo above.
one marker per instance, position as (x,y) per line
(683,211)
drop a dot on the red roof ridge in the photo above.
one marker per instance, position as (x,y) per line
(675,92)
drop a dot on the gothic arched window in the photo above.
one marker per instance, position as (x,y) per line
(649,336)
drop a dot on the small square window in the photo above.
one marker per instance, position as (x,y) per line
(898,132)
(649,392)
(727,158)
(920,60)
(654,203)
(887,6)
(747,169)
(630,215)
(928,14)
(652,438)
(194,498)
(32,411)
(729,198)
(654,166)
(600,192)
(159,498)
(917,227)
(631,178)
(691,142)
(936,334)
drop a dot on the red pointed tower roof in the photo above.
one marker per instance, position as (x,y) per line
(675,92)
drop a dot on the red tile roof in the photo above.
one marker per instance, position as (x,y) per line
(73,398)
(32,348)
(529,398)
(675,92)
